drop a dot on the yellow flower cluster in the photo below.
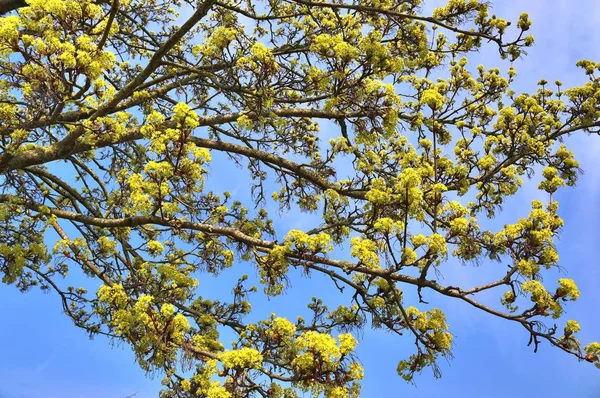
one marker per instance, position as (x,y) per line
(244,358)
(547,304)
(366,252)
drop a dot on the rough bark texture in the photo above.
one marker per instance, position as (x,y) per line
(7,6)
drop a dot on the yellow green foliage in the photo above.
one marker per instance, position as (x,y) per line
(124,122)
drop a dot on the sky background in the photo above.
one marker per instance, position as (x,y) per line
(43,355)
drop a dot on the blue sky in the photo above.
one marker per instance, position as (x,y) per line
(43,355)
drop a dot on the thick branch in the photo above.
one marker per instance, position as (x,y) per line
(42,155)
(7,6)
(66,143)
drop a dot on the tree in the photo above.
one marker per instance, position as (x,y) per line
(112,110)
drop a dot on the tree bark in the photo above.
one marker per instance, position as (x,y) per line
(7,6)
